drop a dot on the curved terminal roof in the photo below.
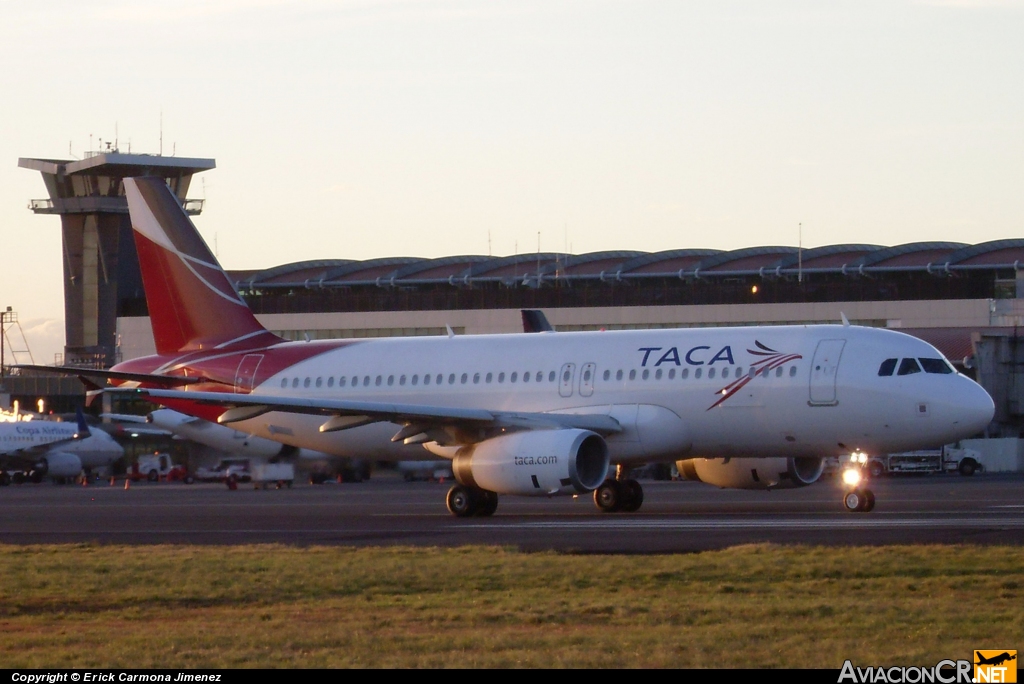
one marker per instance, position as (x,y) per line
(846,259)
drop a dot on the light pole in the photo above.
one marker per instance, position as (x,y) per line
(6,317)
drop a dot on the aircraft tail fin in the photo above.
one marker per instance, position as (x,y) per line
(192,304)
(83,427)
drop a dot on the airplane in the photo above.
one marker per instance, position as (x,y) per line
(995,660)
(567,413)
(236,443)
(58,450)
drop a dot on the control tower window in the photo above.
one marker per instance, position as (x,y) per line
(887,367)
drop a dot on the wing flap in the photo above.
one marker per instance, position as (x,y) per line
(349,414)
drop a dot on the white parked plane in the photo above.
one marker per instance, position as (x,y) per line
(41,448)
(224,439)
(543,414)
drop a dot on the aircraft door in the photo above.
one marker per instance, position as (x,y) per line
(565,379)
(245,376)
(823,372)
(587,379)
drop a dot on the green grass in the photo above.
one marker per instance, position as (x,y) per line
(278,606)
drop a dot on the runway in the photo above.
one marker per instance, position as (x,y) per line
(676,516)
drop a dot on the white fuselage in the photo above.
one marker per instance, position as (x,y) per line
(677,393)
(26,441)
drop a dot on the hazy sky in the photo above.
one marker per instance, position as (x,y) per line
(358,129)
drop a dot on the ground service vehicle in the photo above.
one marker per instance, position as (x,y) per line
(266,475)
(156,467)
(947,459)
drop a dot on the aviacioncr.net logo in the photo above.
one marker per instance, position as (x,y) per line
(995,666)
(943,672)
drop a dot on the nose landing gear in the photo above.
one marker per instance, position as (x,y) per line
(859,500)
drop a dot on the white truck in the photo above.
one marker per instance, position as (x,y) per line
(265,475)
(947,459)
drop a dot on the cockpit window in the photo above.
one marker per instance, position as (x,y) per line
(887,367)
(935,366)
(908,367)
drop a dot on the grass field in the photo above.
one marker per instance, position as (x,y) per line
(278,606)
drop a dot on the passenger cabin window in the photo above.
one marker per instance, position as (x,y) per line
(939,366)
(284,382)
(908,367)
(887,367)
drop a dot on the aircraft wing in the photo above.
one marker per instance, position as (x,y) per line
(417,419)
(88,373)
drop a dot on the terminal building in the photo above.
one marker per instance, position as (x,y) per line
(966,299)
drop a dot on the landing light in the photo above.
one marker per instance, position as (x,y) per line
(851,476)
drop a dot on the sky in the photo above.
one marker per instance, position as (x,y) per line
(368,128)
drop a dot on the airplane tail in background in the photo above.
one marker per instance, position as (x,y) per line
(83,427)
(192,304)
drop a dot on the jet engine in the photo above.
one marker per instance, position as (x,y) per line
(541,462)
(59,464)
(753,473)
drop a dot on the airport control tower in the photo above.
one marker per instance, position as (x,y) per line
(101,270)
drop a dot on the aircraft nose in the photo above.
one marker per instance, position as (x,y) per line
(977,407)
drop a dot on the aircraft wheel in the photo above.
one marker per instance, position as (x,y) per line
(462,501)
(36,476)
(634,496)
(5,478)
(488,503)
(609,496)
(869,501)
(18,478)
(853,500)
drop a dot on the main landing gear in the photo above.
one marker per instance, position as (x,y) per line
(464,501)
(622,494)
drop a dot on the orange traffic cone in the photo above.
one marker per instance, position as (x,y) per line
(111,480)
(127,483)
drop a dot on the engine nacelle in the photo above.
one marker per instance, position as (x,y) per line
(59,464)
(535,463)
(753,473)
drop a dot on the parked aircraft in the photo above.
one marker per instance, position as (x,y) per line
(42,448)
(540,414)
(236,443)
